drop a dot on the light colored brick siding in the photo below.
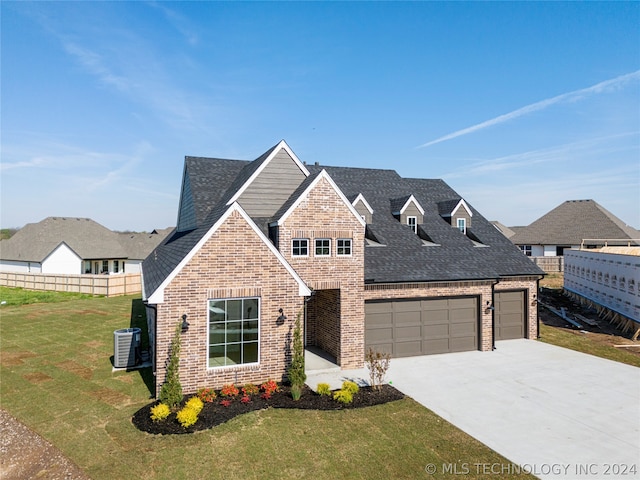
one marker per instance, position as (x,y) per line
(324,215)
(530,287)
(234,262)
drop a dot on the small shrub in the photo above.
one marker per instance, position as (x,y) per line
(265,396)
(245,399)
(250,389)
(225,402)
(378,364)
(160,412)
(229,390)
(296,392)
(324,389)
(187,417)
(207,395)
(269,387)
(194,403)
(343,396)
(351,387)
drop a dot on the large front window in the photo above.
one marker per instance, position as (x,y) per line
(233,331)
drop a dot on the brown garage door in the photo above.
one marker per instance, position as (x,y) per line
(509,315)
(421,327)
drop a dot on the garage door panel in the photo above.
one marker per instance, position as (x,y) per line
(437,345)
(379,319)
(408,332)
(463,329)
(407,349)
(406,306)
(434,304)
(431,331)
(423,326)
(509,315)
(435,316)
(376,335)
(410,318)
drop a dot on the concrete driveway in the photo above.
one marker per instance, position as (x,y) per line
(555,412)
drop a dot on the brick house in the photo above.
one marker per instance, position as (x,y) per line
(365,257)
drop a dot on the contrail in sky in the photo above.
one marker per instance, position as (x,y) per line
(601,87)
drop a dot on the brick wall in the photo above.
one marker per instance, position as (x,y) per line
(322,214)
(234,262)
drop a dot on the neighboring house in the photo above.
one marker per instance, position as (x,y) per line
(568,225)
(73,246)
(365,257)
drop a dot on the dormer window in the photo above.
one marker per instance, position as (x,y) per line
(413,223)
(462,225)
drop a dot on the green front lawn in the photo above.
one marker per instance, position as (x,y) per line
(57,378)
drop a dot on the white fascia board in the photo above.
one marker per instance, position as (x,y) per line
(360,198)
(464,205)
(417,204)
(312,185)
(158,296)
(282,145)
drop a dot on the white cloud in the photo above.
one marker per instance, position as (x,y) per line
(602,87)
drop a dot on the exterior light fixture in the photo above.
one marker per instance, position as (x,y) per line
(185,324)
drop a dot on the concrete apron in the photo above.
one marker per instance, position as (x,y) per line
(551,411)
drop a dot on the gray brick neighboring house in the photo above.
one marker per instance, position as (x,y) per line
(365,257)
(69,245)
(568,225)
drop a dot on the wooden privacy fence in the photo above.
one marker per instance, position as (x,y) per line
(107,285)
(549,264)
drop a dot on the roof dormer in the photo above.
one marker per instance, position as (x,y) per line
(408,211)
(363,208)
(457,213)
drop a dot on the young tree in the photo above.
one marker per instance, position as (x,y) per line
(296,374)
(171,391)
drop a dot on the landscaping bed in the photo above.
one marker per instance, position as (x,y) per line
(214,413)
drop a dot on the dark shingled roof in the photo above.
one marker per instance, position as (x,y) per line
(571,222)
(403,257)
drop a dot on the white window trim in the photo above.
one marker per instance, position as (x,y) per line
(464,225)
(350,240)
(298,255)
(240,365)
(413,227)
(315,247)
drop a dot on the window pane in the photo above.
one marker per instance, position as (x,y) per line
(251,352)
(234,354)
(250,308)
(216,356)
(216,333)
(234,309)
(250,330)
(216,311)
(234,331)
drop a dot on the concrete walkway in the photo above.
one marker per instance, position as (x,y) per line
(555,412)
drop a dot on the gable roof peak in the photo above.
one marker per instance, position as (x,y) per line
(259,164)
(400,204)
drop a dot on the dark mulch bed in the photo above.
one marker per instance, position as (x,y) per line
(215,414)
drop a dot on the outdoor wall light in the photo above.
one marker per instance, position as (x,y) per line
(185,324)
(535,300)
(282,317)
(489,306)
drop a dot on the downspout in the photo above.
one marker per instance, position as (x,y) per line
(493,314)
(537,310)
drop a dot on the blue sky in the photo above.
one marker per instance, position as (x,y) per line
(518,106)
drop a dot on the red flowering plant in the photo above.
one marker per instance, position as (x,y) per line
(250,389)
(269,387)
(229,390)
(226,402)
(207,395)
(245,399)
